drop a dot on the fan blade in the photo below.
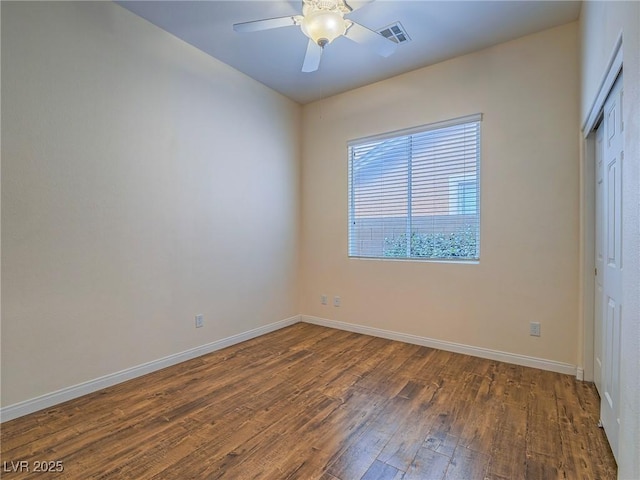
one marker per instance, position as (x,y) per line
(312,57)
(265,24)
(358,4)
(362,35)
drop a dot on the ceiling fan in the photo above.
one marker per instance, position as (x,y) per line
(323,21)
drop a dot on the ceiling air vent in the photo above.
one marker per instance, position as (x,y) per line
(395,32)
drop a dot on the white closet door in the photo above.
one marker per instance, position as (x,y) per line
(611,237)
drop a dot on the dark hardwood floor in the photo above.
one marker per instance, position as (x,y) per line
(309,402)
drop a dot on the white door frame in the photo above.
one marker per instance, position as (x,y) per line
(588,212)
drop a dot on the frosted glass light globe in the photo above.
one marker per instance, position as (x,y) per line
(323,26)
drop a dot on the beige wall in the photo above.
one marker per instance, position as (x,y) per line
(527,90)
(601,23)
(132,198)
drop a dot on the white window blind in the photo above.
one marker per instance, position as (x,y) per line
(415,193)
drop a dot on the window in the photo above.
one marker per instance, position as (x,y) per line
(415,193)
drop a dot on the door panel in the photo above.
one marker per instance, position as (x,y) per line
(609,259)
(599,262)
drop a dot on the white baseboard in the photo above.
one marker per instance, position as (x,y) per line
(50,399)
(481,352)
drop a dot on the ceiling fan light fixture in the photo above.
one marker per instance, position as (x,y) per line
(324,26)
(322,21)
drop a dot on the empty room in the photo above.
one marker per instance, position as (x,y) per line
(320,239)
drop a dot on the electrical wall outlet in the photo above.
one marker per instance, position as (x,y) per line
(199,321)
(323,299)
(534,329)
(336,301)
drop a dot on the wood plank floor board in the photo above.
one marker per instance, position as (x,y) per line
(412,430)
(445,444)
(455,402)
(467,463)
(543,467)
(381,471)
(421,364)
(312,403)
(343,427)
(578,436)
(483,418)
(360,455)
(427,465)
(507,455)
(355,438)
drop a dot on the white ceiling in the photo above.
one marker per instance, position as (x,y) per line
(439,30)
